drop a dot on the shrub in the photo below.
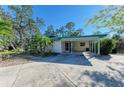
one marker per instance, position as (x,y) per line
(107,45)
(39,44)
(114,50)
(6,54)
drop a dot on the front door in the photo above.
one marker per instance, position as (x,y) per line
(68,46)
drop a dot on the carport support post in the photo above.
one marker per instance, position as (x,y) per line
(98,47)
(92,47)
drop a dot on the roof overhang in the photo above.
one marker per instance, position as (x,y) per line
(84,38)
(81,39)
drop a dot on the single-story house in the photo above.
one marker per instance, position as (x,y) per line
(78,44)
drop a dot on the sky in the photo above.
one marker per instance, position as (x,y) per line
(59,15)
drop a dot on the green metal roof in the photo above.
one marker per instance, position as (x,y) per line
(100,36)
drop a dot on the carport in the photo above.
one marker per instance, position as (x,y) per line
(81,44)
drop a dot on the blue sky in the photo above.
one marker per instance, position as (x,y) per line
(59,15)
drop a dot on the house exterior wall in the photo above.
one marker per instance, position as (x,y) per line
(76,46)
(57,46)
(63,46)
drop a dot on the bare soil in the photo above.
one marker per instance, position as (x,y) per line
(16,60)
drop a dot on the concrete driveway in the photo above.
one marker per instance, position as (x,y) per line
(65,71)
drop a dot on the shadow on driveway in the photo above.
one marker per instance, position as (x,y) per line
(103,57)
(73,59)
(99,57)
(103,79)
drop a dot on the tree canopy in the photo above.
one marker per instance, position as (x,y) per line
(50,31)
(110,17)
(70,26)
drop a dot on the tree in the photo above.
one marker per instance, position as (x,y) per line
(69,30)
(24,31)
(4,15)
(60,31)
(70,26)
(96,33)
(80,31)
(40,23)
(35,26)
(39,44)
(32,27)
(110,17)
(50,31)
(6,33)
(21,17)
(117,37)
(75,33)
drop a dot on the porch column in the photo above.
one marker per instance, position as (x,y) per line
(89,45)
(94,47)
(98,47)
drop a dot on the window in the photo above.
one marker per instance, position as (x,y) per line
(82,44)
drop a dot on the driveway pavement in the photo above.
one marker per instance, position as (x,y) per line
(65,71)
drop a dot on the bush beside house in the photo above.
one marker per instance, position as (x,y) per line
(39,44)
(107,45)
